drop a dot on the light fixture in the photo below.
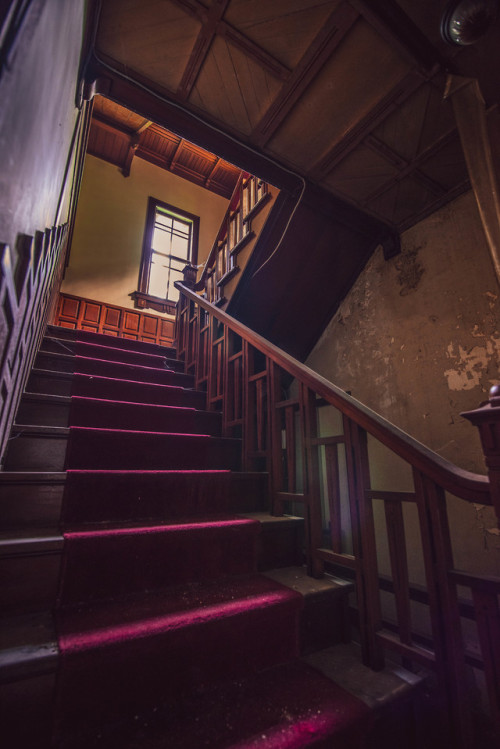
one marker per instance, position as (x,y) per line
(464,22)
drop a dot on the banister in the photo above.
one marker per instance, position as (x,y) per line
(200,284)
(469,486)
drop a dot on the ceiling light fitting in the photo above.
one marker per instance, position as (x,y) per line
(464,22)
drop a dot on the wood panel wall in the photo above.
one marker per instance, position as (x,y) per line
(78,313)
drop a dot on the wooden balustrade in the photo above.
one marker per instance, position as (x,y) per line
(250,194)
(275,404)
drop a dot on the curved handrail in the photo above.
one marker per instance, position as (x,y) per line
(472,487)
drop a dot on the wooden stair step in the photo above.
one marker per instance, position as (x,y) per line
(52,344)
(120,449)
(99,496)
(29,569)
(30,499)
(62,362)
(325,617)
(114,341)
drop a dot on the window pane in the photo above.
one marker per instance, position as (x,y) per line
(158,278)
(180,246)
(161,241)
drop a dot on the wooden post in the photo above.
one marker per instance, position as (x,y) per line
(487,419)
(189,273)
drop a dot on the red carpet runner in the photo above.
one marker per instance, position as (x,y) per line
(168,636)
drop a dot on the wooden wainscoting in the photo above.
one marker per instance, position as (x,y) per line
(77,313)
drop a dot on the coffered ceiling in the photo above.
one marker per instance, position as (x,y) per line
(347,93)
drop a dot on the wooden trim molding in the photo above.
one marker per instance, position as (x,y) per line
(142,301)
(78,313)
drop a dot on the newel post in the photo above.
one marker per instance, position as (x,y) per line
(181,319)
(487,420)
(189,275)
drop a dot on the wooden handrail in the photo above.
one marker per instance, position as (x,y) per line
(249,379)
(470,486)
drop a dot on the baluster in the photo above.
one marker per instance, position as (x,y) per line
(333,492)
(275,432)
(291,457)
(445,618)
(399,566)
(309,425)
(365,550)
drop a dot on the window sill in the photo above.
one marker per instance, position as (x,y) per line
(147,301)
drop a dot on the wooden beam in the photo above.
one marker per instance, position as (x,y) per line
(392,23)
(232,34)
(134,144)
(391,101)
(321,48)
(161,107)
(212,171)
(176,154)
(110,127)
(201,47)
(259,55)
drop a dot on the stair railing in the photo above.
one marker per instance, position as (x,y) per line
(249,195)
(276,405)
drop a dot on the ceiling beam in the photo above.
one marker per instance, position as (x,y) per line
(391,101)
(258,54)
(320,49)
(229,32)
(392,23)
(201,47)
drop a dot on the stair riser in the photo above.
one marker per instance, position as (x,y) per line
(42,413)
(34,452)
(27,709)
(29,583)
(136,392)
(57,346)
(134,675)
(108,415)
(70,364)
(49,383)
(140,451)
(114,341)
(155,496)
(30,505)
(127,563)
(102,414)
(281,545)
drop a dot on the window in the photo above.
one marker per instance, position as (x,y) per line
(170,242)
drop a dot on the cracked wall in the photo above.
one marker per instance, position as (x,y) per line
(418,340)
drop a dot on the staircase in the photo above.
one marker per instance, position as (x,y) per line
(150,600)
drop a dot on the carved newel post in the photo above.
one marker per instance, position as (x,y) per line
(487,420)
(189,272)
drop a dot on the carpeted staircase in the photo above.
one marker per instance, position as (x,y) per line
(166,632)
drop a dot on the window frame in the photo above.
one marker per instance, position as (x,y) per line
(147,249)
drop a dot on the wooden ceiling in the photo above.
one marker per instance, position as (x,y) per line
(118,134)
(347,93)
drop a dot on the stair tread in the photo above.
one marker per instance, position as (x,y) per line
(180,525)
(342,663)
(283,707)
(150,613)
(298,579)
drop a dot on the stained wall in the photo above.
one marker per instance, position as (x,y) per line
(418,340)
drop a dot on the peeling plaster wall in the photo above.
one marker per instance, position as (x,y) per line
(418,340)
